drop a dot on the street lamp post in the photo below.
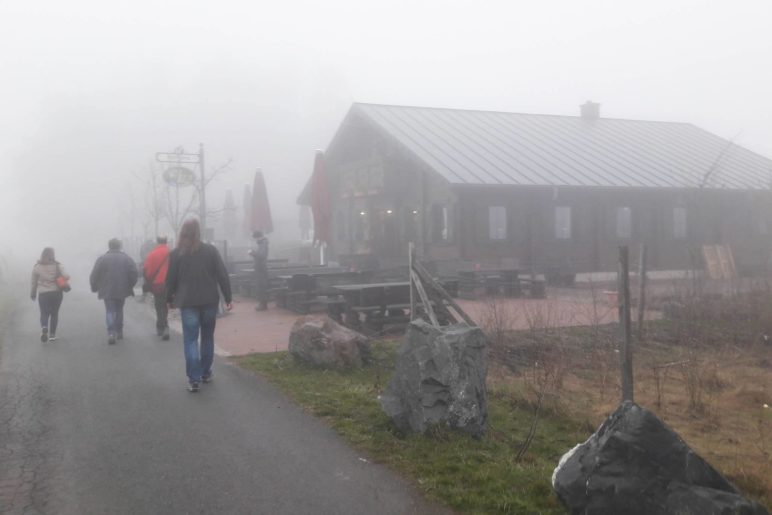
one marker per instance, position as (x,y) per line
(180,157)
(202,191)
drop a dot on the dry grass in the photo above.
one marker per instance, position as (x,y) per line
(708,375)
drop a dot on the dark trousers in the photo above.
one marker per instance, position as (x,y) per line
(262,282)
(114,315)
(161,311)
(49,302)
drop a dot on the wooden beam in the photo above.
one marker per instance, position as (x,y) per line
(424,298)
(426,276)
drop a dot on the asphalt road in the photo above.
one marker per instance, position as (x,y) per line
(91,428)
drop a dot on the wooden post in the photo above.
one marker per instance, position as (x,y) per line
(641,291)
(410,257)
(225,255)
(625,351)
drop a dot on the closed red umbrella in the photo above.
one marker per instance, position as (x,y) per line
(321,205)
(246,222)
(261,210)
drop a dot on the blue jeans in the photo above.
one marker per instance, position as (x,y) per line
(114,315)
(195,320)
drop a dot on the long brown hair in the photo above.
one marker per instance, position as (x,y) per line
(190,236)
(47,256)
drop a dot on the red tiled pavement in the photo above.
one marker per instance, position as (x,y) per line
(245,330)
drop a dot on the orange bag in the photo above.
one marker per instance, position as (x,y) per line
(62,281)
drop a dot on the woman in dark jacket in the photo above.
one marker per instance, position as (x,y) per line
(47,292)
(196,270)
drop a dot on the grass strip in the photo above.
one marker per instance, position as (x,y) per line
(471,476)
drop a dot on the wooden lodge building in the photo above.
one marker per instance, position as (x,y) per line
(541,193)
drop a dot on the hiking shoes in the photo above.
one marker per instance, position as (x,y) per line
(194,387)
(111,339)
(207,378)
(44,335)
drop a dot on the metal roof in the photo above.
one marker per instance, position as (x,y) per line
(485,147)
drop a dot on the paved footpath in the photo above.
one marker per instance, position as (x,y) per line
(90,428)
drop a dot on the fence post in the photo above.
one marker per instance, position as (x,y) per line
(625,351)
(641,291)
(410,252)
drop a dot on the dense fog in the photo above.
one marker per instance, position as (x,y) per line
(91,90)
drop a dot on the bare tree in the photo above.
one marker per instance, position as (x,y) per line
(178,204)
(171,201)
(153,204)
(215,172)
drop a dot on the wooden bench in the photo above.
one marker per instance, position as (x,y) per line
(475,284)
(537,288)
(304,292)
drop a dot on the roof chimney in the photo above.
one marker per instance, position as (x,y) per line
(590,110)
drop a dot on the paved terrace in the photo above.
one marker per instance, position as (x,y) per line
(244,330)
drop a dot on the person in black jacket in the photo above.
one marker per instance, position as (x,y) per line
(113,279)
(196,270)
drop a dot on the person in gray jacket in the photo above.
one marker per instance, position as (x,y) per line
(262,281)
(113,279)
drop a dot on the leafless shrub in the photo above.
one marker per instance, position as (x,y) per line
(544,316)
(497,322)
(692,373)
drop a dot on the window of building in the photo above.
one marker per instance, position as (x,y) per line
(411,224)
(341,226)
(563,222)
(624,223)
(497,222)
(389,228)
(361,225)
(679,222)
(441,223)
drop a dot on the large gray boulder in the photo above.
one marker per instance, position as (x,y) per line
(322,342)
(635,464)
(439,380)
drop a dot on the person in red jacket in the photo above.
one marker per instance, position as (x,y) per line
(154,271)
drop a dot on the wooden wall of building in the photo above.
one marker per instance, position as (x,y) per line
(377,185)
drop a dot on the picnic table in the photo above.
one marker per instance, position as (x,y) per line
(506,282)
(371,306)
(243,277)
(302,292)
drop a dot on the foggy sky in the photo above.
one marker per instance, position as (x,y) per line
(90,90)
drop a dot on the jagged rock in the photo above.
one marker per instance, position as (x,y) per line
(635,464)
(439,380)
(322,342)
